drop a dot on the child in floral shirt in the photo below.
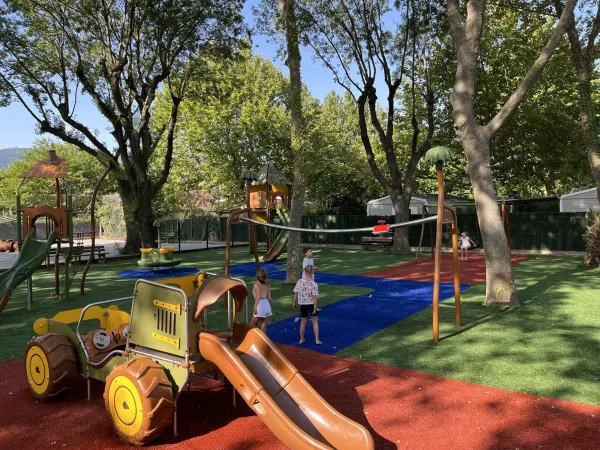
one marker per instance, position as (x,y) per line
(305,295)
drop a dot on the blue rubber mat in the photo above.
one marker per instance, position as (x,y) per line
(153,274)
(351,320)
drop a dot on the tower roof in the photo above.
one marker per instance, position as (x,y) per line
(269,174)
(51,167)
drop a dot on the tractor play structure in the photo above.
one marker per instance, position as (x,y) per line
(147,358)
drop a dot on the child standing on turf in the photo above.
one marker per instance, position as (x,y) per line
(465,243)
(308,261)
(262,300)
(305,295)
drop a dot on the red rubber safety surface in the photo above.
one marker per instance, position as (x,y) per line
(401,408)
(472,271)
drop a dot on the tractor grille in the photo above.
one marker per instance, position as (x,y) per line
(166,321)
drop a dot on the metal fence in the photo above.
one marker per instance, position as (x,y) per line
(529,231)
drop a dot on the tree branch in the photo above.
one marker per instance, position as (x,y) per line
(364,136)
(536,70)
(591,41)
(170,141)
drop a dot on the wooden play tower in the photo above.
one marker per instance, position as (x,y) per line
(58,217)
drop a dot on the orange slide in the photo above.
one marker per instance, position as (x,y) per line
(281,397)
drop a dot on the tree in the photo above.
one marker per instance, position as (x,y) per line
(120,55)
(584,56)
(354,40)
(289,22)
(475,139)
(236,118)
(338,182)
(539,151)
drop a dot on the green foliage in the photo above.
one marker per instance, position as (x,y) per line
(109,213)
(592,238)
(236,119)
(118,55)
(340,182)
(539,150)
(84,171)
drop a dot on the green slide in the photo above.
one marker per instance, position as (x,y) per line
(32,255)
(278,246)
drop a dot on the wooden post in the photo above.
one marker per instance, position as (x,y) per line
(57,184)
(254,246)
(455,270)
(57,268)
(438,253)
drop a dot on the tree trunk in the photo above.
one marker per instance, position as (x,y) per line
(401,205)
(293,258)
(288,10)
(139,218)
(500,287)
(589,124)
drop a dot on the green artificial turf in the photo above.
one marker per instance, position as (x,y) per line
(102,283)
(549,346)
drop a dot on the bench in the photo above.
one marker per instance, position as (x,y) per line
(369,241)
(166,236)
(80,251)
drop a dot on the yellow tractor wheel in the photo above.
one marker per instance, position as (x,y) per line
(139,399)
(50,365)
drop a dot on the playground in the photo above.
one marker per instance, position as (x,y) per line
(507,378)
(332,225)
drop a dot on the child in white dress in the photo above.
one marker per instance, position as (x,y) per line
(262,301)
(465,243)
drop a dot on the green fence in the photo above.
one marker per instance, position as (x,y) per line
(529,231)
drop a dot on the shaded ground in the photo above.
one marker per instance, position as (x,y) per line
(546,347)
(472,270)
(401,408)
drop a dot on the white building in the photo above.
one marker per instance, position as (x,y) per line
(580,201)
(383,206)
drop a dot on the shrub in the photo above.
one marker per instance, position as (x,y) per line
(592,240)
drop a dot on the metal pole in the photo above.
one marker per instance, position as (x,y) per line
(438,254)
(29,293)
(506,223)
(178,235)
(455,270)
(19,230)
(228,237)
(93,228)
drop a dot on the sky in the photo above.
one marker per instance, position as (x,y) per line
(17,127)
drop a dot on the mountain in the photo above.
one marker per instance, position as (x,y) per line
(7,155)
